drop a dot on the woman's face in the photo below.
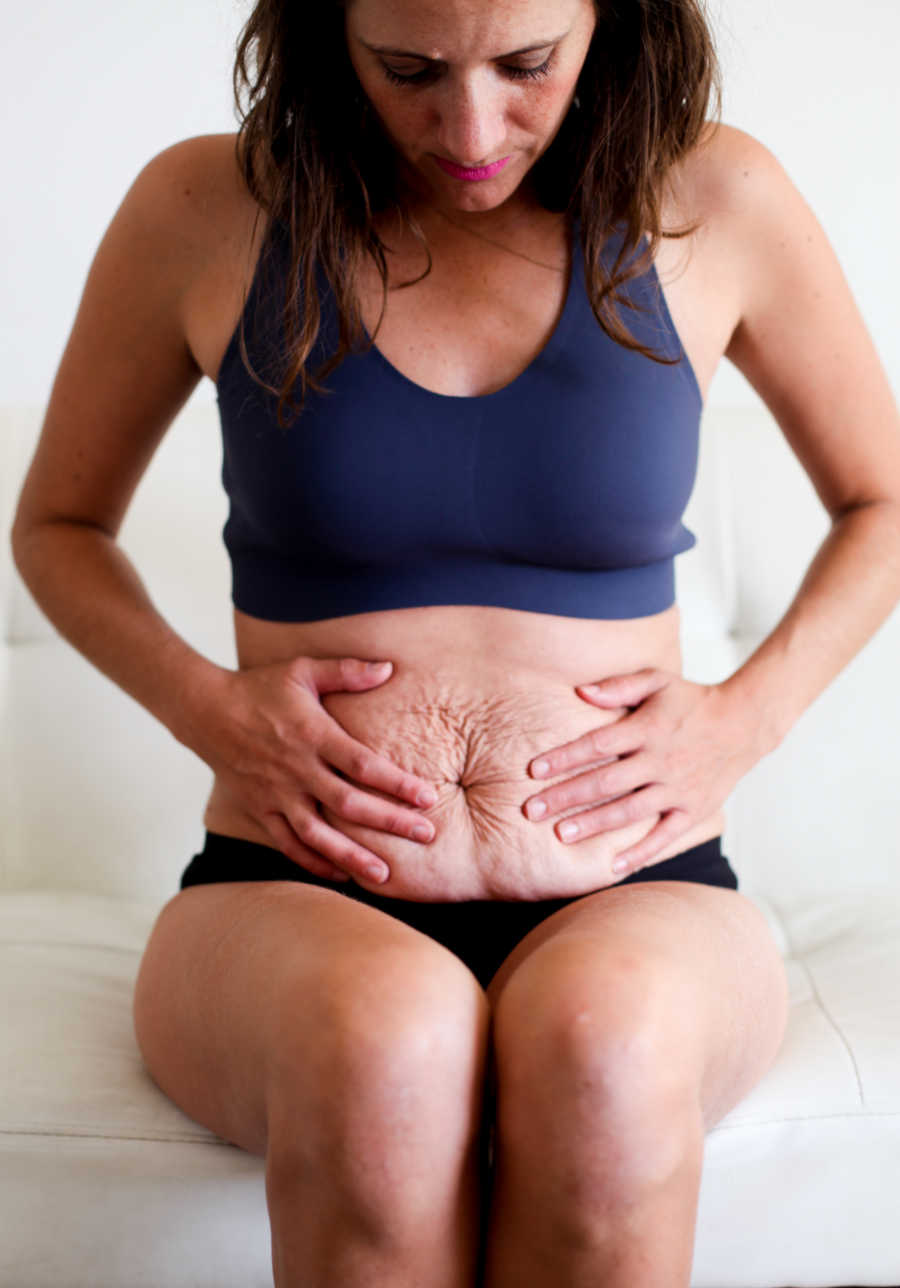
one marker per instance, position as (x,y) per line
(470,92)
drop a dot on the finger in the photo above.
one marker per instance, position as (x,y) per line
(364,765)
(612,740)
(339,674)
(673,824)
(596,787)
(349,801)
(625,690)
(277,827)
(335,846)
(643,803)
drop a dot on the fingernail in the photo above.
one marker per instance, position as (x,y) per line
(568,830)
(620,865)
(422,832)
(591,690)
(540,768)
(427,796)
(378,872)
(537,809)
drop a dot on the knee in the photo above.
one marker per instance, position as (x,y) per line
(406,1021)
(376,1109)
(392,1047)
(595,1065)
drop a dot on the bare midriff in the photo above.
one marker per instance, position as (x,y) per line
(476,693)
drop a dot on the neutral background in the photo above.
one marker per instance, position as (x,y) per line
(92,90)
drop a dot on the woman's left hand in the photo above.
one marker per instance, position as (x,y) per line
(676,753)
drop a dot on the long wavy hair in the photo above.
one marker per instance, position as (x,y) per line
(318,163)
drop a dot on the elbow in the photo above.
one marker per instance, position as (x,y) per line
(26,525)
(884,510)
(19,541)
(26,540)
(879,520)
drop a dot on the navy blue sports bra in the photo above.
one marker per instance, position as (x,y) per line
(560,493)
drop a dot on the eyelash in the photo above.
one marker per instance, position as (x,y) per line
(515,73)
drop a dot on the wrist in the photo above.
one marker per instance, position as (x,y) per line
(196,688)
(751,710)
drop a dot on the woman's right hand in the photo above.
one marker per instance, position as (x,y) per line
(275,749)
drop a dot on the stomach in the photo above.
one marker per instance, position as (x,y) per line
(475,694)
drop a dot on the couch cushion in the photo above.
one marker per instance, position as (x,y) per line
(104,1183)
(105,800)
(70,1066)
(91,1146)
(801,1178)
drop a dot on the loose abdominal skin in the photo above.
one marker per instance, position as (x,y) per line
(475,748)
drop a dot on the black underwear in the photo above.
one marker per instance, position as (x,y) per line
(481,932)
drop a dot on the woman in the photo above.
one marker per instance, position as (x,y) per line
(489,499)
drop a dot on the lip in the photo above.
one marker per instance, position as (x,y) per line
(474,174)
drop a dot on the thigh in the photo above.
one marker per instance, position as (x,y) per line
(241,981)
(691,970)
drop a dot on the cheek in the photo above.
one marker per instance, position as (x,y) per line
(547,108)
(398,119)
(404,126)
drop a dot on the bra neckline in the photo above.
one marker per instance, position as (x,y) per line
(546,354)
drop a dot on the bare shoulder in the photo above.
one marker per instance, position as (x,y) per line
(751,235)
(203,230)
(148,324)
(192,197)
(795,330)
(728,175)
(194,176)
(708,201)
(751,218)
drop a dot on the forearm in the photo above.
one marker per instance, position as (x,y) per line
(91,592)
(849,590)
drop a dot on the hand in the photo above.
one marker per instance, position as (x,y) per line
(676,753)
(277,752)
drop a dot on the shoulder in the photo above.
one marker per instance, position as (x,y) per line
(754,233)
(750,216)
(191,198)
(196,172)
(798,335)
(179,250)
(195,231)
(729,174)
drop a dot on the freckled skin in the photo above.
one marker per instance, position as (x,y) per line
(471,111)
(449,714)
(469,106)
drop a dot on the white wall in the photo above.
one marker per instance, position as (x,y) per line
(92,89)
(817,81)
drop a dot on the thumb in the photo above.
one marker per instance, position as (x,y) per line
(332,674)
(624,690)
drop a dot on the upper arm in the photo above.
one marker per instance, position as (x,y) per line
(127,368)
(800,339)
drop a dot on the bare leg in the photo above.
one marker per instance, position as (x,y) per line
(372,1167)
(346,1048)
(624,1027)
(565,1222)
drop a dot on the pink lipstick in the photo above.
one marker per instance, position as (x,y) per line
(475,174)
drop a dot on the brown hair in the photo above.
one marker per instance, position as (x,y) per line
(315,159)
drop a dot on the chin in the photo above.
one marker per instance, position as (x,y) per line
(485,195)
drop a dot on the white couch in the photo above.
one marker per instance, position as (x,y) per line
(105,1184)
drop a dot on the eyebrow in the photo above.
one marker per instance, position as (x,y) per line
(392,52)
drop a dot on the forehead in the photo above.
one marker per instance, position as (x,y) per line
(453,30)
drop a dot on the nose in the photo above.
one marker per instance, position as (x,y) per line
(472,129)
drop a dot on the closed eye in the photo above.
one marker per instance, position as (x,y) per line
(430,73)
